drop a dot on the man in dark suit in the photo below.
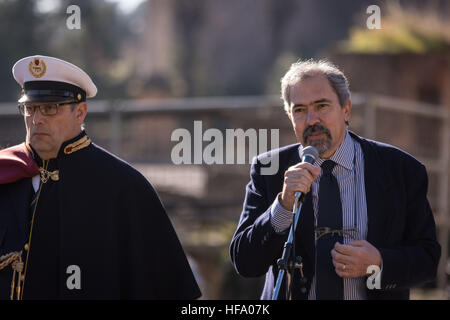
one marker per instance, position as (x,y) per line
(365,207)
(76,222)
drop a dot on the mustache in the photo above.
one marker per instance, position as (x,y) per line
(39,130)
(317,128)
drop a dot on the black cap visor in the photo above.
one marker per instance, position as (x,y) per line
(49,96)
(51,91)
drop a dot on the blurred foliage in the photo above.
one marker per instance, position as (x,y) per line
(17,21)
(403,29)
(212,47)
(26,30)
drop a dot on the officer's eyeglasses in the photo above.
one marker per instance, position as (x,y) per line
(46,109)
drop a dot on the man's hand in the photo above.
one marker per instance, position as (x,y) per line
(353,259)
(297,178)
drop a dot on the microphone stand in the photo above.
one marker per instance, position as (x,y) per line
(288,261)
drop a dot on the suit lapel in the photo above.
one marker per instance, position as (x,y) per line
(293,159)
(377,187)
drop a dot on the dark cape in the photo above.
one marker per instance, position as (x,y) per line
(101,216)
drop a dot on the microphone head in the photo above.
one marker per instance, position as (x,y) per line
(310,154)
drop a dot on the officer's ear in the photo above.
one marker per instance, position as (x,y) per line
(80,112)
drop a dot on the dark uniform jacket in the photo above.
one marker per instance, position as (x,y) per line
(100,218)
(400,223)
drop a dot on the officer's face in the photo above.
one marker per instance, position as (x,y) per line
(316,115)
(47,133)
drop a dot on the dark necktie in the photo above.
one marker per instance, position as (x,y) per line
(329,286)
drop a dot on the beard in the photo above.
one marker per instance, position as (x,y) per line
(323,144)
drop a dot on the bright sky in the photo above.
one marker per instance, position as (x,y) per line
(125,5)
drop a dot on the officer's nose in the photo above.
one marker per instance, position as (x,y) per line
(37,116)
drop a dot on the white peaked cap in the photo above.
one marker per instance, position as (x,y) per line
(45,77)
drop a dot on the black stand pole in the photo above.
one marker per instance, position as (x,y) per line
(288,261)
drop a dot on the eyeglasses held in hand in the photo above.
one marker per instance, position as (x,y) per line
(352,233)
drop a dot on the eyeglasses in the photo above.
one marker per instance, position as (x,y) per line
(46,109)
(352,233)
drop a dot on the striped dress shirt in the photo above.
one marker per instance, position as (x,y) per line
(349,172)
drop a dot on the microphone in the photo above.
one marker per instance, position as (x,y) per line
(310,154)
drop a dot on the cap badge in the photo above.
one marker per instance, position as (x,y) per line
(37,67)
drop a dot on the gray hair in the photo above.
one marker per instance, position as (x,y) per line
(308,68)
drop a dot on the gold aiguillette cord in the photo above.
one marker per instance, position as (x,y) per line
(15,259)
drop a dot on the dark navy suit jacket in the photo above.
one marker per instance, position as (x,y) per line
(400,223)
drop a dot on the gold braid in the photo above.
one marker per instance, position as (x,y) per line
(15,259)
(8,258)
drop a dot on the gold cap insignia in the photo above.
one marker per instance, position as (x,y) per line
(37,67)
(79,96)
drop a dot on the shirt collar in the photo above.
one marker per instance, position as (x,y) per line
(343,156)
